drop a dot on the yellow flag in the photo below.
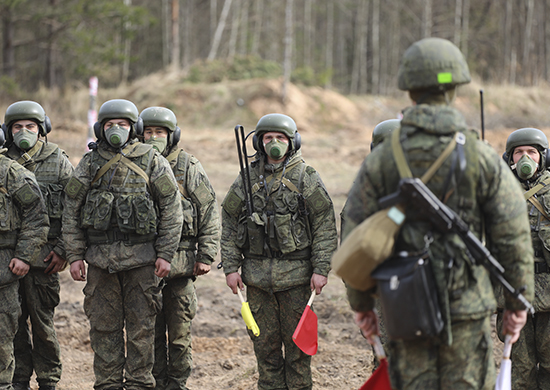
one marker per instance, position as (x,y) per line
(249,319)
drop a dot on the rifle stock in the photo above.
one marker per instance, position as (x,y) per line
(444,219)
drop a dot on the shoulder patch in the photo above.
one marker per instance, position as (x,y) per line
(202,194)
(26,195)
(318,201)
(165,185)
(232,204)
(73,188)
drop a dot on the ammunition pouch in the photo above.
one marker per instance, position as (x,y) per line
(409,297)
(53,196)
(9,217)
(96,213)
(99,237)
(189,227)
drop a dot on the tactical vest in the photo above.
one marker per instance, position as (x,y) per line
(538,205)
(279,226)
(10,220)
(179,162)
(119,206)
(44,160)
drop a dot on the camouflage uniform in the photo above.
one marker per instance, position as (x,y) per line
(24,229)
(121,247)
(201,226)
(40,291)
(294,217)
(461,356)
(531,353)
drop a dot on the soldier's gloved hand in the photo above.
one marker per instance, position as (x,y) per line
(19,267)
(162,267)
(78,271)
(234,281)
(512,323)
(367,321)
(200,269)
(57,264)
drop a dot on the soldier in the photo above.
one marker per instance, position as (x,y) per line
(527,154)
(475,183)
(24,229)
(197,249)
(283,249)
(123,216)
(25,122)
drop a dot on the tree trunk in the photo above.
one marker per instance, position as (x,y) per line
(289,29)
(8,49)
(175,34)
(51,54)
(458,23)
(376,46)
(427,19)
(219,30)
(329,47)
(465,28)
(166,21)
(359,70)
(213,17)
(508,40)
(258,17)
(243,45)
(308,33)
(526,65)
(235,16)
(187,32)
(127,47)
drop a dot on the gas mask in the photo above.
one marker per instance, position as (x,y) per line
(159,143)
(526,167)
(25,139)
(117,135)
(276,149)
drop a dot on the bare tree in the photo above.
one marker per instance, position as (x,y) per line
(187,32)
(219,30)
(329,47)
(234,28)
(8,52)
(175,34)
(213,17)
(359,70)
(244,28)
(376,46)
(289,37)
(166,20)
(527,40)
(427,21)
(127,46)
(458,23)
(508,40)
(465,28)
(308,33)
(258,17)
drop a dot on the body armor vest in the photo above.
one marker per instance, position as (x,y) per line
(118,205)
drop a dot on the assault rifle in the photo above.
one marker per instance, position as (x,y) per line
(245,167)
(444,219)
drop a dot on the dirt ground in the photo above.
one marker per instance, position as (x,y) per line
(222,352)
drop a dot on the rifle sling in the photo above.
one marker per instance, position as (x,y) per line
(119,157)
(530,196)
(401,161)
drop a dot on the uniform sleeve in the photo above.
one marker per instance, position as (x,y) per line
(232,212)
(35,223)
(77,187)
(204,198)
(66,171)
(359,206)
(507,223)
(322,222)
(170,221)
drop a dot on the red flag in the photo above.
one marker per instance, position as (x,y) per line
(305,335)
(380,379)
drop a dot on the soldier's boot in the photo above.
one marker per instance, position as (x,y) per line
(21,386)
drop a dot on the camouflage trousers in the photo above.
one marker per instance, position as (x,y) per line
(426,364)
(39,297)
(173,358)
(531,353)
(277,315)
(10,310)
(117,302)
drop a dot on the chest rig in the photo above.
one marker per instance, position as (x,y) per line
(44,160)
(119,205)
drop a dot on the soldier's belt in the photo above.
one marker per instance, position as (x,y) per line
(304,254)
(97,237)
(8,240)
(541,267)
(187,244)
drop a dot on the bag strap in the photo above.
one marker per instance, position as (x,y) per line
(129,163)
(27,156)
(530,197)
(401,161)
(284,180)
(534,201)
(172,156)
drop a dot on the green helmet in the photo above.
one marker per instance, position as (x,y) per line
(26,110)
(118,109)
(163,117)
(432,63)
(527,136)
(383,129)
(279,123)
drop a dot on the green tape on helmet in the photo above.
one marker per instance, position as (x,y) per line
(445,78)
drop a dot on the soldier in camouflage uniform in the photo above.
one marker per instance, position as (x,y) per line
(480,188)
(25,121)
(123,217)
(197,249)
(526,154)
(24,229)
(283,249)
